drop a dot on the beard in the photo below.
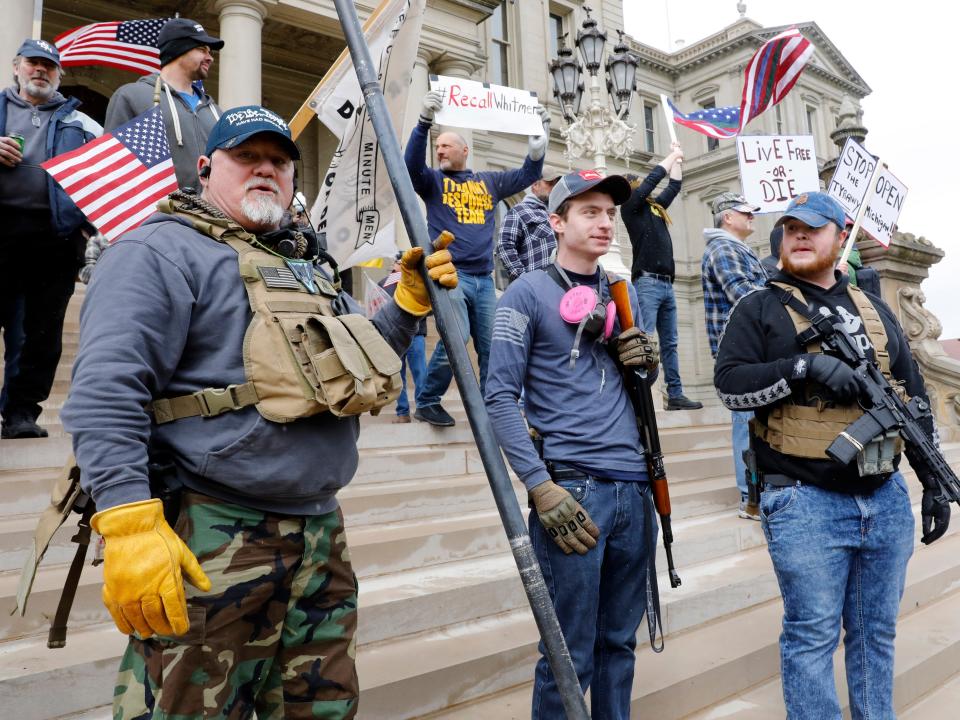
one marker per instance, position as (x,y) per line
(809,267)
(262,209)
(41,92)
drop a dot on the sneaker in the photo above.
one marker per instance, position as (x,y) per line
(682,402)
(21,427)
(748,511)
(435,415)
(401,419)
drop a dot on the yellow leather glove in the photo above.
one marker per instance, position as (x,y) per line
(142,564)
(564,518)
(635,349)
(411,293)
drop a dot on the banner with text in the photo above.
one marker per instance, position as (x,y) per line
(774,169)
(849,185)
(481,106)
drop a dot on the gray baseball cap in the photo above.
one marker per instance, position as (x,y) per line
(733,201)
(577,183)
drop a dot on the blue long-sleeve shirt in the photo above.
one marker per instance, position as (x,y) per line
(583,413)
(463,201)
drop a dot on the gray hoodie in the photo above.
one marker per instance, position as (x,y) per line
(187,130)
(165,315)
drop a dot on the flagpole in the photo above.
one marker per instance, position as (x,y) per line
(510,514)
(852,237)
(306,113)
(668,114)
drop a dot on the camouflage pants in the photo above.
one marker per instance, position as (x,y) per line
(274,635)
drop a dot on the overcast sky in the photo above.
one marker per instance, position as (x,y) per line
(904,52)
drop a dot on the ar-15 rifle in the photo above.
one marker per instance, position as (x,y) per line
(883,409)
(642,398)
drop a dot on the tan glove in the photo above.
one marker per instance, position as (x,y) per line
(635,349)
(142,565)
(411,293)
(564,518)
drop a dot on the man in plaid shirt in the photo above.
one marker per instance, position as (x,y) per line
(526,240)
(730,270)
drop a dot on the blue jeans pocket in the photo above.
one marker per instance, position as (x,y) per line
(579,488)
(775,501)
(900,483)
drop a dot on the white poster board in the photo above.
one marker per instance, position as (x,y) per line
(482,106)
(774,169)
(850,187)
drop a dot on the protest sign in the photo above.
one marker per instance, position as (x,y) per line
(854,182)
(774,169)
(482,106)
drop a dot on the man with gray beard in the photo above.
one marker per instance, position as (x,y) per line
(41,246)
(214,415)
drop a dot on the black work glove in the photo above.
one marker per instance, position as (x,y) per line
(934,514)
(831,372)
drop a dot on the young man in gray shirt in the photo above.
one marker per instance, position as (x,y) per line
(593,526)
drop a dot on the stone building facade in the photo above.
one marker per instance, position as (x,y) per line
(276,51)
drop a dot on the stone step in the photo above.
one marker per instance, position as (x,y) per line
(927,653)
(699,667)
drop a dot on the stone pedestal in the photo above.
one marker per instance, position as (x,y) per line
(241,22)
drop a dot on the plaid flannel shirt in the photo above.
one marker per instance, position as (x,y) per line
(729,271)
(526,240)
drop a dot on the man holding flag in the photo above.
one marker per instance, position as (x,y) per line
(41,247)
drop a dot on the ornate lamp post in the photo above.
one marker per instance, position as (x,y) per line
(600,131)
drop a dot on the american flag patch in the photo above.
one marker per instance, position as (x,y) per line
(509,326)
(279,277)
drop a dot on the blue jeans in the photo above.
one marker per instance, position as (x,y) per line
(475,301)
(741,442)
(839,559)
(600,597)
(658,306)
(416,359)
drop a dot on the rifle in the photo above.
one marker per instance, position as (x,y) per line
(883,409)
(641,396)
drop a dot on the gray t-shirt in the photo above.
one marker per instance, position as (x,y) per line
(583,413)
(25,186)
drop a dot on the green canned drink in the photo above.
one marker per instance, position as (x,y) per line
(19,138)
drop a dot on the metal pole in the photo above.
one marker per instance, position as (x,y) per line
(510,513)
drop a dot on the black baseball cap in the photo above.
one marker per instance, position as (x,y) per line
(181,35)
(40,49)
(577,183)
(241,123)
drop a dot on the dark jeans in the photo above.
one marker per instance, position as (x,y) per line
(11,322)
(600,597)
(40,274)
(658,305)
(415,358)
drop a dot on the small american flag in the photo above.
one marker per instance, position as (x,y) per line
(770,75)
(128,45)
(117,179)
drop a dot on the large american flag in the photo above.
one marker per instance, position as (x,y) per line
(127,45)
(117,179)
(770,75)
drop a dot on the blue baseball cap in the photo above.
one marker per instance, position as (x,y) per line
(40,49)
(815,209)
(241,123)
(577,183)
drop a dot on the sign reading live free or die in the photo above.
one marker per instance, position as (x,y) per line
(774,169)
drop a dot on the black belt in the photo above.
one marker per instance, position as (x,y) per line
(779,480)
(562,471)
(656,276)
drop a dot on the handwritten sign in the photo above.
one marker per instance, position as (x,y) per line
(774,169)
(481,106)
(850,186)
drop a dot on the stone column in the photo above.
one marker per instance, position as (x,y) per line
(454,67)
(419,85)
(16,27)
(241,22)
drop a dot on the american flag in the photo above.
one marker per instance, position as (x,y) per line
(770,75)
(117,179)
(127,45)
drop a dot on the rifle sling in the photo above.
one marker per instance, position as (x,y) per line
(57,638)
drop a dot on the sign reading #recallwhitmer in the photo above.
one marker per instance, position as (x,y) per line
(481,106)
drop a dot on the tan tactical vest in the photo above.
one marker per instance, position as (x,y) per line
(807,430)
(299,357)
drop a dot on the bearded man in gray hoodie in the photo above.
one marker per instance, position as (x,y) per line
(189,113)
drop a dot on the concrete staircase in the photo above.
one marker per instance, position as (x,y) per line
(445,630)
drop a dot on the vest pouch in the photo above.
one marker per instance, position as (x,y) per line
(356,371)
